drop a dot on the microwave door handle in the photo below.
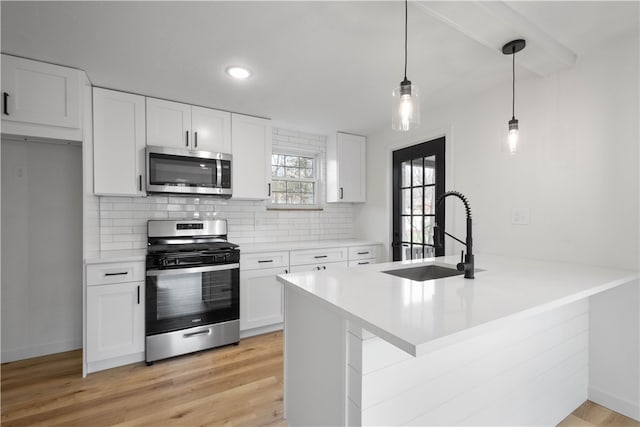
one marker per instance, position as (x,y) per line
(176,271)
(218,173)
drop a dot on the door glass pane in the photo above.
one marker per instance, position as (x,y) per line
(416,252)
(430,170)
(406,228)
(429,202)
(416,231)
(406,174)
(417,171)
(429,222)
(406,201)
(406,252)
(417,200)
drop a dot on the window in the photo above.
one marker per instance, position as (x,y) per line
(294,180)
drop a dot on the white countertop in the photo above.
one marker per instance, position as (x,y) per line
(124,255)
(100,257)
(316,244)
(420,317)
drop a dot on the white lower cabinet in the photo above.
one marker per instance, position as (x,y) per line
(115,314)
(260,292)
(260,298)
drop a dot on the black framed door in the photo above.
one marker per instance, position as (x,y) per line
(418,181)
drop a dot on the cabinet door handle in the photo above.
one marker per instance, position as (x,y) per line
(138,294)
(186,144)
(5,97)
(195,334)
(324,267)
(265,260)
(363,253)
(320,256)
(195,139)
(140,182)
(123,273)
(341,193)
(286,271)
(362,263)
(318,268)
(269,189)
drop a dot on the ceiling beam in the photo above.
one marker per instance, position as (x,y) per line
(494,23)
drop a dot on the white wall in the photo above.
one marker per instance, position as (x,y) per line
(123,220)
(577,172)
(41,249)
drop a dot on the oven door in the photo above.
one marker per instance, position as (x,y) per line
(187,297)
(171,170)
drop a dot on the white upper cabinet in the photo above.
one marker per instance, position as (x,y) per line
(251,149)
(118,143)
(211,130)
(40,99)
(346,170)
(176,125)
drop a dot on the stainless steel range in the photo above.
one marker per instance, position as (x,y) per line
(193,288)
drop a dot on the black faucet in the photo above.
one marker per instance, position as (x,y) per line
(466,261)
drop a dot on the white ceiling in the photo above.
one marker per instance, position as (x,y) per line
(318,66)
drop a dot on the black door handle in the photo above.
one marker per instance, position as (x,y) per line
(186,144)
(195,139)
(341,193)
(138,294)
(269,185)
(5,96)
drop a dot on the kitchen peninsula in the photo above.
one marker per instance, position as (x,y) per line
(510,347)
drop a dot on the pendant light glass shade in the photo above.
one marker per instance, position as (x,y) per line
(406,107)
(405,111)
(513,138)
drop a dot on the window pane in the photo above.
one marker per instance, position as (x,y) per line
(406,201)
(293,199)
(417,172)
(416,252)
(277,171)
(306,162)
(416,229)
(281,158)
(279,185)
(430,170)
(279,198)
(307,199)
(417,200)
(306,187)
(429,202)
(274,159)
(292,161)
(406,174)
(293,173)
(306,173)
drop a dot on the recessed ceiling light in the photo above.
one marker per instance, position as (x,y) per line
(238,72)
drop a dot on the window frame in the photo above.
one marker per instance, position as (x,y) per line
(317,180)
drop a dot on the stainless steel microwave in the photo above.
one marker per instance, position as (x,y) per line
(174,170)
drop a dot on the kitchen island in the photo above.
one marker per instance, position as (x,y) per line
(510,347)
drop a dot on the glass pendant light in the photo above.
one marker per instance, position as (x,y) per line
(510,49)
(405,114)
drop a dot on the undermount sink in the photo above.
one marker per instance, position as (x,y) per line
(425,272)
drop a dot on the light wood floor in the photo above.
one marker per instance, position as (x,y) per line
(233,386)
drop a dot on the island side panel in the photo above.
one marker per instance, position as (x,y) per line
(533,371)
(315,362)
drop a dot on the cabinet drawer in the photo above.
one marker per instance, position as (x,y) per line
(122,272)
(362,252)
(319,267)
(318,256)
(264,260)
(357,262)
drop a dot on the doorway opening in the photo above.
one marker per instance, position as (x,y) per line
(418,181)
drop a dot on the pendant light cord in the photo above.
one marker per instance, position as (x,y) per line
(513,100)
(405,38)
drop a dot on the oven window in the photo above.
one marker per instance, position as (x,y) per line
(191,299)
(165,169)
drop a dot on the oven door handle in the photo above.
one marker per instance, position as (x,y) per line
(206,269)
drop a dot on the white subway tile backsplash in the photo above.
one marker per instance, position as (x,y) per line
(123,220)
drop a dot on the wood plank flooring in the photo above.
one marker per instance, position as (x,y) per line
(230,386)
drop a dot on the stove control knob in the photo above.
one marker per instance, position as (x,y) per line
(164,262)
(177,261)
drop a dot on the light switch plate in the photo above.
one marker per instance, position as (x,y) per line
(520,216)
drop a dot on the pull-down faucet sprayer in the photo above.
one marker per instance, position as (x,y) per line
(466,263)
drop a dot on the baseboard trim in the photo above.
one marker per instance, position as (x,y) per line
(14,354)
(261,330)
(615,403)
